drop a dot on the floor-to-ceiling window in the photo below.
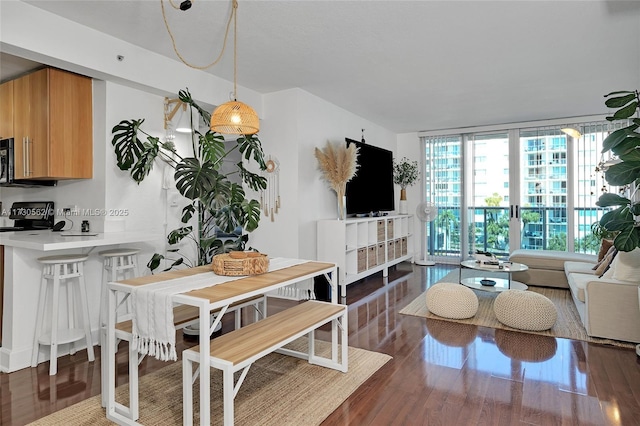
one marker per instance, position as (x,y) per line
(529,187)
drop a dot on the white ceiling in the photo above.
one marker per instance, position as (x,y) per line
(405,65)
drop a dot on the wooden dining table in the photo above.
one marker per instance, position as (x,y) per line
(215,293)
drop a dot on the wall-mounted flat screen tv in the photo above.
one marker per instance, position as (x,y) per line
(371,189)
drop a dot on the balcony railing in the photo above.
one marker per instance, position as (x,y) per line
(542,228)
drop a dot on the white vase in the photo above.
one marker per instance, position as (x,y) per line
(342,207)
(403,207)
(403,202)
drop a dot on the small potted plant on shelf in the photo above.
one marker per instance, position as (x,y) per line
(405,173)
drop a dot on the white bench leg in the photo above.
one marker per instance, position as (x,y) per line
(228,394)
(187,392)
(134,406)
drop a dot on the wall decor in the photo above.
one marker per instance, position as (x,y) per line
(270,196)
(338,164)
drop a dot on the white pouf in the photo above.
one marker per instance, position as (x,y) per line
(525,310)
(449,300)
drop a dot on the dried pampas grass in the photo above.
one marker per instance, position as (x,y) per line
(339,165)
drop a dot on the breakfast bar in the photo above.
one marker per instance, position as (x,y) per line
(21,281)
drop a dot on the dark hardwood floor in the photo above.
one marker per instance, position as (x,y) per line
(442,373)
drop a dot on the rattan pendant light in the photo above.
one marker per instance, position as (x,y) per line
(235,117)
(232,117)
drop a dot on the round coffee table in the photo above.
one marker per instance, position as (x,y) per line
(487,283)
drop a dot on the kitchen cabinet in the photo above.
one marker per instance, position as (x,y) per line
(52,123)
(6,110)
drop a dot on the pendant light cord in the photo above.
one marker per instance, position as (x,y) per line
(235,47)
(224,43)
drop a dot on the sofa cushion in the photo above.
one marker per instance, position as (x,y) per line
(579,267)
(578,282)
(605,245)
(626,266)
(605,264)
(549,259)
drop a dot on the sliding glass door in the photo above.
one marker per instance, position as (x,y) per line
(543,200)
(498,191)
(488,211)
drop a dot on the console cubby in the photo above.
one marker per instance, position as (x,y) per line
(363,246)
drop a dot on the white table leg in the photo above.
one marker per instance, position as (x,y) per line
(110,354)
(205,370)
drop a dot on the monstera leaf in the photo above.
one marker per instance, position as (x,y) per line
(126,144)
(177,235)
(212,148)
(143,166)
(253,180)
(250,145)
(195,179)
(185,97)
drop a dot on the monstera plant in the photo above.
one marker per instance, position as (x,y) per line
(218,203)
(623,170)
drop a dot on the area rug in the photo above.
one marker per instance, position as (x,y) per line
(568,324)
(278,390)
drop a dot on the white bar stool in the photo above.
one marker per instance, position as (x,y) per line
(118,264)
(121,263)
(57,270)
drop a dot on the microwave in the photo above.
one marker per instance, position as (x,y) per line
(7,177)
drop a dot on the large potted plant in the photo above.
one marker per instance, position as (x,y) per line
(623,170)
(219,204)
(405,173)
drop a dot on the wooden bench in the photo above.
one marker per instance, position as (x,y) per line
(183,315)
(240,348)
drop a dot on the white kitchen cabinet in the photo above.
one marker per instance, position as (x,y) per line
(363,246)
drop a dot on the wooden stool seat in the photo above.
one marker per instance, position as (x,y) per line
(63,259)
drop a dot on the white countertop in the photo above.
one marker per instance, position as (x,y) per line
(49,240)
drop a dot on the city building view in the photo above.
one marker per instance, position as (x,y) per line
(532,188)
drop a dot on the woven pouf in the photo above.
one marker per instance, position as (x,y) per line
(525,310)
(454,301)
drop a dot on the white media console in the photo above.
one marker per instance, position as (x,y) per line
(363,246)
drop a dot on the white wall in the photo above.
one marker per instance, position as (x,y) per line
(295,123)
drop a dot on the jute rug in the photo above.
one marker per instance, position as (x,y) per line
(278,390)
(568,324)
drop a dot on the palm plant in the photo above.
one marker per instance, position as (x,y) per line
(218,203)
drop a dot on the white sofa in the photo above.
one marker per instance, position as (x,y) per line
(608,307)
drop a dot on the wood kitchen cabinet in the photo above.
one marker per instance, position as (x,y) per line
(53,128)
(6,110)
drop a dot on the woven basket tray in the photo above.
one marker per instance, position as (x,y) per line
(240,263)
